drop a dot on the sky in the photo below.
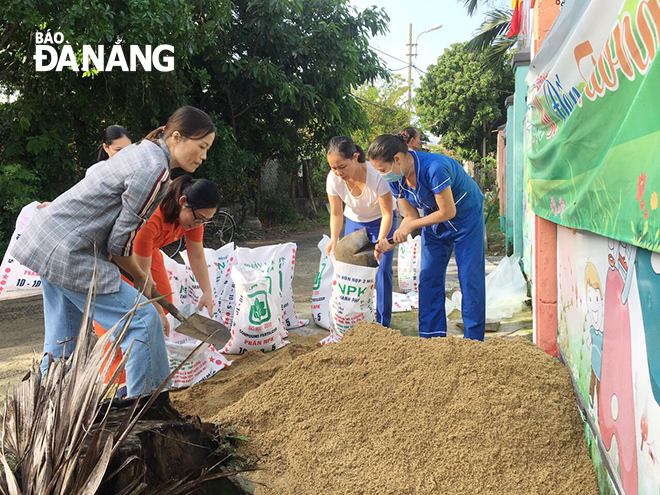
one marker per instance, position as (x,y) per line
(457,27)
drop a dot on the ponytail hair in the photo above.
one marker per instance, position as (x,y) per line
(199,193)
(110,135)
(345,146)
(191,122)
(408,134)
(386,146)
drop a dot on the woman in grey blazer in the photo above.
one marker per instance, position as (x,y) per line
(106,209)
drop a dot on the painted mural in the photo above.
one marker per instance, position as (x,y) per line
(609,331)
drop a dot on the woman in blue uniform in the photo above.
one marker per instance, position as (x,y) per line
(453,220)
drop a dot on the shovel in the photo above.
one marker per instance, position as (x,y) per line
(357,249)
(196,326)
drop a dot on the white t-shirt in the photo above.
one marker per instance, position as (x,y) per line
(365,207)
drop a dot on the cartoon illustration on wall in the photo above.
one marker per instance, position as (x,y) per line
(648,280)
(616,410)
(595,309)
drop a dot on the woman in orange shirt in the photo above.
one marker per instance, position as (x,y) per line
(188,205)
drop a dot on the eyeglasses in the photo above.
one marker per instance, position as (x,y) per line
(199,221)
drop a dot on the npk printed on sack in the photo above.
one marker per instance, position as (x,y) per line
(351,300)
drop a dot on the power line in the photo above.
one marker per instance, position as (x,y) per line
(374,104)
(391,56)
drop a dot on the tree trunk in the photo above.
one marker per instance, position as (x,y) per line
(308,184)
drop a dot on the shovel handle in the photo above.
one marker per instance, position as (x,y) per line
(166,305)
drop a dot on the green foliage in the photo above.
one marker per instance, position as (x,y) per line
(385,108)
(277,75)
(461,100)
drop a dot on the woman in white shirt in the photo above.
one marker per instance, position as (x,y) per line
(368,199)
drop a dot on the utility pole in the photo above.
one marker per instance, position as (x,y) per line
(410,45)
(410,56)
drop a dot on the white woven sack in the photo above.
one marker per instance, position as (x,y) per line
(17,280)
(322,288)
(352,298)
(257,321)
(409,263)
(227,303)
(287,264)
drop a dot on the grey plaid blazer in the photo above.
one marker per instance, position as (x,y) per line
(107,207)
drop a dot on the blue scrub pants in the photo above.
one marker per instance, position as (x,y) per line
(467,241)
(384,273)
(147,366)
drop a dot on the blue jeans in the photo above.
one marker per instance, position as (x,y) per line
(384,274)
(147,366)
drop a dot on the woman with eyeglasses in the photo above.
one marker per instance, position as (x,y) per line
(91,229)
(188,205)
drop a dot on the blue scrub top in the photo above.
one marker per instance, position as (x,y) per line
(434,174)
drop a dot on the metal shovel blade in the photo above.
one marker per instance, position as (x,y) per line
(196,326)
(356,249)
(199,327)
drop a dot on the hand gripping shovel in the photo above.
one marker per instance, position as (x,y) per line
(357,249)
(196,326)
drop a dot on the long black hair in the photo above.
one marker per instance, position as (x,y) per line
(386,146)
(345,146)
(199,193)
(111,134)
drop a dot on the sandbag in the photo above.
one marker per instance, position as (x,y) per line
(227,302)
(193,289)
(322,288)
(204,364)
(257,323)
(265,260)
(352,298)
(409,263)
(17,280)
(287,264)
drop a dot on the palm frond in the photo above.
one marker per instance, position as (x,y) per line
(51,440)
(495,25)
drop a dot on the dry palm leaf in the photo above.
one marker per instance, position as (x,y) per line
(48,445)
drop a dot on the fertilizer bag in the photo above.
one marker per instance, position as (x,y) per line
(17,280)
(287,263)
(322,289)
(352,298)
(409,263)
(265,260)
(226,259)
(257,323)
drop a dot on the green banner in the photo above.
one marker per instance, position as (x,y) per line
(594,158)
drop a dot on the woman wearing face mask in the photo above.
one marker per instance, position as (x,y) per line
(352,182)
(453,220)
(103,212)
(186,207)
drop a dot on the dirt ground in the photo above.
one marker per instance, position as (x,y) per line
(22,319)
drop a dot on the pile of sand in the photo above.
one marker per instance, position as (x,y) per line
(383,414)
